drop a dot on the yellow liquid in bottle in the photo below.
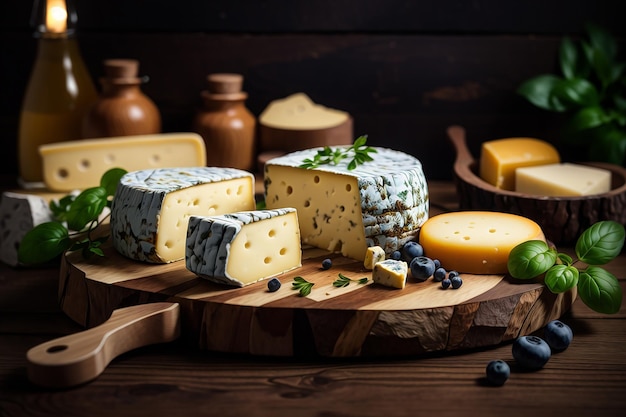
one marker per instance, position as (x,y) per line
(59,93)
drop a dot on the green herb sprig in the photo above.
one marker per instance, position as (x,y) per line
(302,285)
(359,152)
(75,219)
(591,93)
(598,245)
(344,281)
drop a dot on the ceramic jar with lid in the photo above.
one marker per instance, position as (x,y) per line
(122,109)
(226,125)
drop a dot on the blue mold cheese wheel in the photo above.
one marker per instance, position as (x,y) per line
(242,248)
(380,203)
(151,208)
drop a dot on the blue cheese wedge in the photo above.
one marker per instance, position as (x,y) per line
(390,273)
(242,248)
(380,203)
(151,208)
(19,213)
(373,255)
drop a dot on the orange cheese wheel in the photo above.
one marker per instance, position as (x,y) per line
(476,242)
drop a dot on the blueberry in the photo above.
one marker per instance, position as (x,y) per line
(440,274)
(497,372)
(531,352)
(396,255)
(327,263)
(412,250)
(445,283)
(453,274)
(273,285)
(558,335)
(456,281)
(422,268)
(437,263)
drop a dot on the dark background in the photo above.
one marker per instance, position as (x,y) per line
(405,70)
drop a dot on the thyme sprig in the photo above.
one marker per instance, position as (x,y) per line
(344,281)
(302,285)
(359,152)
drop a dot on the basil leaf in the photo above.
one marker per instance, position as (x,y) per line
(565,258)
(568,57)
(587,118)
(600,243)
(43,243)
(530,259)
(577,91)
(600,290)
(561,278)
(609,145)
(539,91)
(86,207)
(110,179)
(601,40)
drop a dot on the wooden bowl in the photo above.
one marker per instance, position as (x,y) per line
(562,219)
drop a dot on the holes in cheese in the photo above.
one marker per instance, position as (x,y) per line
(80,164)
(500,158)
(380,203)
(243,248)
(476,242)
(562,180)
(151,208)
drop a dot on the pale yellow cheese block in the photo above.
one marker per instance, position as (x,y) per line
(500,158)
(476,242)
(567,180)
(80,164)
(299,112)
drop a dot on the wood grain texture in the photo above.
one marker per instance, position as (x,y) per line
(179,379)
(357,320)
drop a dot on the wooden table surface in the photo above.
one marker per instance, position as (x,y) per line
(174,379)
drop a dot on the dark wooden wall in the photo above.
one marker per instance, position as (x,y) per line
(405,69)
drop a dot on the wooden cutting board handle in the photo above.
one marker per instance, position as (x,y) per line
(79,358)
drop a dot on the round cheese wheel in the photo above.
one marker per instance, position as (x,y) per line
(476,242)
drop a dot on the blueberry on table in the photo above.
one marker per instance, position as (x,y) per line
(396,255)
(453,274)
(558,335)
(497,372)
(327,263)
(273,285)
(422,268)
(437,263)
(440,274)
(531,352)
(445,283)
(456,281)
(412,250)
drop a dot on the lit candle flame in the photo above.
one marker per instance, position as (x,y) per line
(56,16)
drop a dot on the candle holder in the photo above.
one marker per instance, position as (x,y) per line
(59,91)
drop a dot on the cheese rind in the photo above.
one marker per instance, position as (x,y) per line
(391,273)
(373,255)
(151,208)
(558,180)
(243,248)
(380,203)
(477,242)
(500,158)
(80,164)
(19,213)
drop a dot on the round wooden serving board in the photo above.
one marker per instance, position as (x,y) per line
(357,320)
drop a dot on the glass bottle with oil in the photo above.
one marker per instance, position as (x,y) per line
(60,89)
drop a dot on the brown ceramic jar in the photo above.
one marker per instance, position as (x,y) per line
(226,125)
(122,109)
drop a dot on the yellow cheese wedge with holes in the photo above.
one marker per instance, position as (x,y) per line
(76,165)
(499,159)
(476,242)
